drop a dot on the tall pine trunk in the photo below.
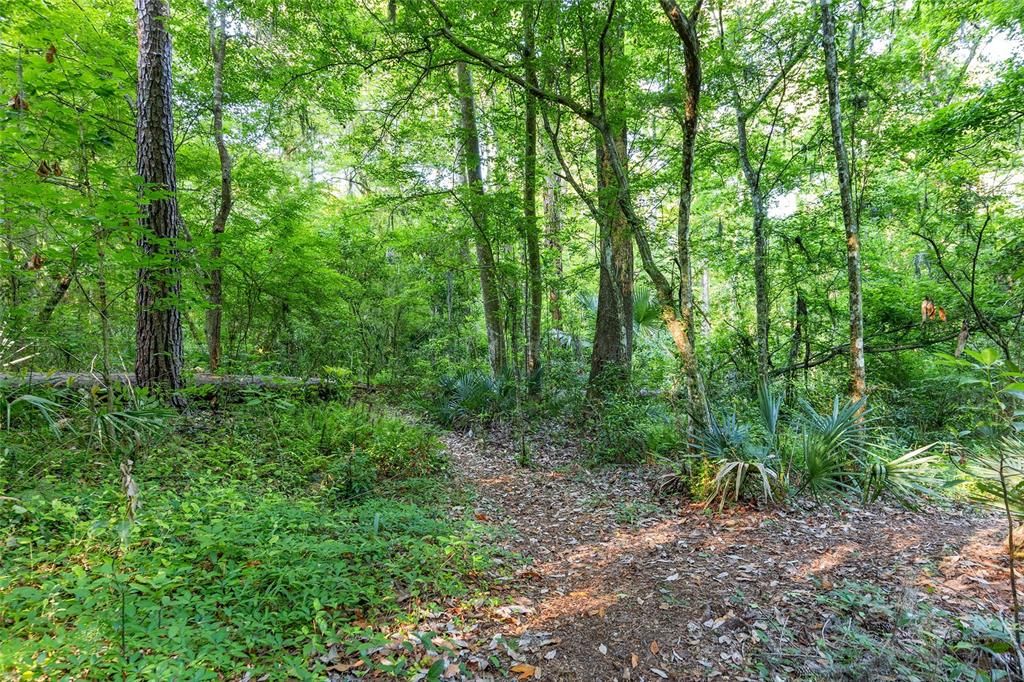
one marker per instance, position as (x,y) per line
(158,336)
(530,221)
(478,213)
(215,296)
(858,383)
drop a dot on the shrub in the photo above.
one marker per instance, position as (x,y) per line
(473,396)
(629,430)
(831,453)
(263,534)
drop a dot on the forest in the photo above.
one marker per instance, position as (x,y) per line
(511,339)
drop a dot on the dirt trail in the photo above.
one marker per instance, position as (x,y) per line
(617,587)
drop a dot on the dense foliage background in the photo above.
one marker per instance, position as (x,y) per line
(349,240)
(627,218)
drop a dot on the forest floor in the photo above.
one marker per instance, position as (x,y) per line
(607,582)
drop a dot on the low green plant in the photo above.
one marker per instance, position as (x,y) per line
(743,468)
(473,396)
(833,453)
(904,477)
(127,418)
(622,428)
(994,461)
(823,470)
(252,548)
(903,636)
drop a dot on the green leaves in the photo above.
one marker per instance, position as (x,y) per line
(473,396)
(733,477)
(226,568)
(1014,390)
(904,477)
(824,470)
(28,403)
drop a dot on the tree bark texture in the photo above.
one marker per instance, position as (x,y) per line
(612,351)
(158,335)
(552,230)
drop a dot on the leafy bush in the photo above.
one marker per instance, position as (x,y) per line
(215,578)
(620,436)
(743,469)
(473,396)
(629,430)
(830,453)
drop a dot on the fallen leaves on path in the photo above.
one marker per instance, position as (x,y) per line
(619,585)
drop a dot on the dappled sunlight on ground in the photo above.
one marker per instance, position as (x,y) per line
(631,589)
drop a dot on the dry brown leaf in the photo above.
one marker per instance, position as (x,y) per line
(525,671)
(655,647)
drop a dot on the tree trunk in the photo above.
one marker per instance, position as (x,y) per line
(676,306)
(613,336)
(760,246)
(60,289)
(705,290)
(531,224)
(215,297)
(858,382)
(158,334)
(553,228)
(478,213)
(612,351)
(752,176)
(682,329)
(799,320)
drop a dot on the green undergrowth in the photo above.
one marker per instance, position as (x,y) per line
(264,534)
(870,632)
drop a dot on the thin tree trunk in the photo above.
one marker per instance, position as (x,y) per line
(705,290)
(478,213)
(215,295)
(858,383)
(102,295)
(59,291)
(760,246)
(757,192)
(800,318)
(531,225)
(553,228)
(158,335)
(20,106)
(683,333)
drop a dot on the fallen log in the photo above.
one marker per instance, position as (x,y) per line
(90,379)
